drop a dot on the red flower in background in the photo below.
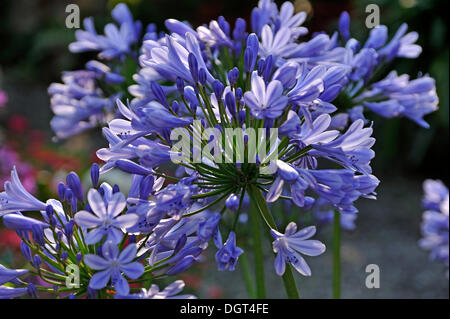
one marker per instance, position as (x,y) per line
(9,238)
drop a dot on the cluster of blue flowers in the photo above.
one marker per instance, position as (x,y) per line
(224,77)
(435,224)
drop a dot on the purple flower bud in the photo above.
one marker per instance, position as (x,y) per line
(218,89)
(180,85)
(68,195)
(242,115)
(159,93)
(64,255)
(68,229)
(132,168)
(232,202)
(193,66)
(175,106)
(59,235)
(253,46)
(180,243)
(32,291)
(248,58)
(239,29)
(18,222)
(146,186)
(181,266)
(238,94)
(230,103)
(79,257)
(114,78)
(26,251)
(37,261)
(97,67)
(237,47)
(73,204)
(116,189)
(73,181)
(344,26)
(224,25)
(261,64)
(309,202)
(38,235)
(233,76)
(49,212)
(268,65)
(61,191)
(202,76)
(95,174)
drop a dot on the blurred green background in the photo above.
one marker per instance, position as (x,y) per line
(34,52)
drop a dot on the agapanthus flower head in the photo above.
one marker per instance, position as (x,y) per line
(435,224)
(241,112)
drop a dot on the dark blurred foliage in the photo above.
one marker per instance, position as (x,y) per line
(34,53)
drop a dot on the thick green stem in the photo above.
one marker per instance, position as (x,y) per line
(258,251)
(337,255)
(261,204)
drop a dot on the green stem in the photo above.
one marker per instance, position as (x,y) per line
(258,251)
(337,255)
(257,198)
(247,276)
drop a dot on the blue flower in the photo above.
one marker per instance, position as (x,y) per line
(265,101)
(170,292)
(78,104)
(398,96)
(116,42)
(289,245)
(435,195)
(215,35)
(263,15)
(18,222)
(105,220)
(402,45)
(17,198)
(227,256)
(111,266)
(170,59)
(435,224)
(10,292)
(11,275)
(175,199)
(277,44)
